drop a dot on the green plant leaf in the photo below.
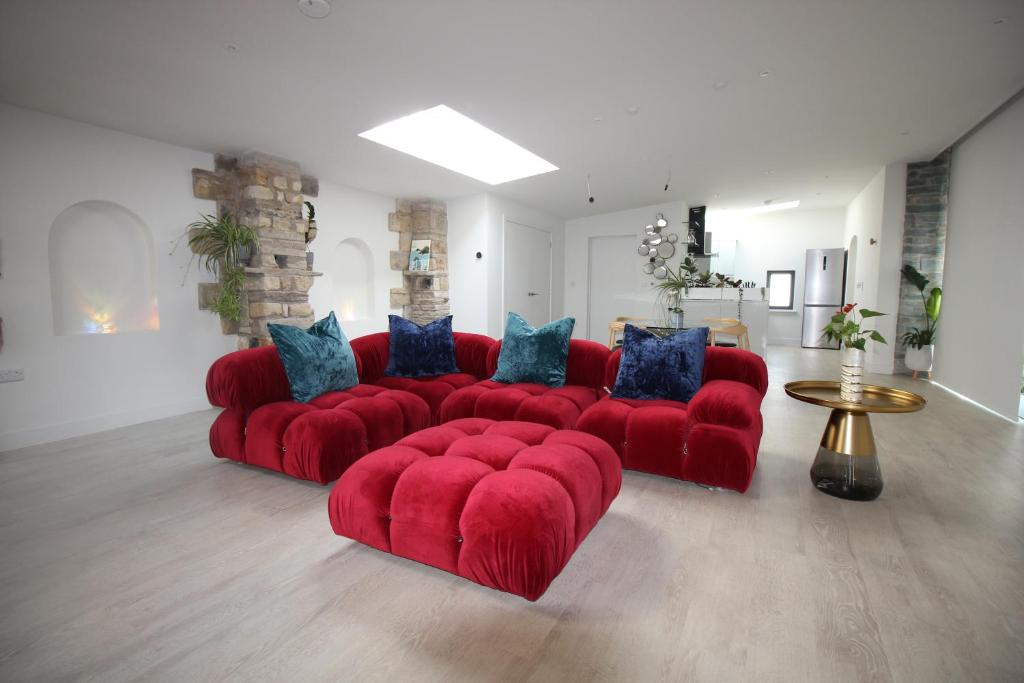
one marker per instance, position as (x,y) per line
(868,313)
(875,336)
(914,276)
(856,344)
(933,306)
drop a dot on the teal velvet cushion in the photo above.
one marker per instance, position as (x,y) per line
(536,355)
(316,360)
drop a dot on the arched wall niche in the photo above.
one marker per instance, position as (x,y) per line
(101,271)
(352,277)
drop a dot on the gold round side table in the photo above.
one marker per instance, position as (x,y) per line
(847,463)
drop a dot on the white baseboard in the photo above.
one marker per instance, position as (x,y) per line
(101,423)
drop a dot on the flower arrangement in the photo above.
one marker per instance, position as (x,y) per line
(846,328)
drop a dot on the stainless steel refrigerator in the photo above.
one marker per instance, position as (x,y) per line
(824,287)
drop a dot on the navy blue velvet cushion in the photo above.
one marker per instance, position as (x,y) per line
(420,350)
(654,367)
(535,355)
(316,360)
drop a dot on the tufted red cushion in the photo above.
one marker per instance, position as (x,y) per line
(504,504)
(318,440)
(556,407)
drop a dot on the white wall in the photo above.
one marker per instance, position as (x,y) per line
(477,223)
(877,213)
(346,213)
(777,240)
(981,331)
(579,232)
(468,276)
(82,383)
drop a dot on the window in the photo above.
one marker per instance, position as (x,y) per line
(780,289)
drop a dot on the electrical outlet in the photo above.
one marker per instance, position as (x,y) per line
(12,375)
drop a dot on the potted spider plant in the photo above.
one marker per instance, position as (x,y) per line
(920,342)
(672,288)
(224,247)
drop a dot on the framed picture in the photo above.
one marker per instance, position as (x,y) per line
(419,255)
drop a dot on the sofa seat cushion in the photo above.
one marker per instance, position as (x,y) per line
(674,439)
(433,390)
(318,440)
(556,407)
(504,504)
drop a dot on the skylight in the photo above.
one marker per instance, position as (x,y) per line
(447,138)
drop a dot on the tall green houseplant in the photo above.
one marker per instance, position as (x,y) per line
(919,338)
(224,247)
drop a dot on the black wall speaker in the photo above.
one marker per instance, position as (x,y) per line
(696,225)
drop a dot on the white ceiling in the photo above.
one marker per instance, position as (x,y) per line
(846,79)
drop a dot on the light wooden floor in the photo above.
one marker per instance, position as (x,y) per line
(135,555)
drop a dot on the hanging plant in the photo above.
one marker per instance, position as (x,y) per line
(223,247)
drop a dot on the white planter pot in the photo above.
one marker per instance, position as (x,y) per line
(920,360)
(851,375)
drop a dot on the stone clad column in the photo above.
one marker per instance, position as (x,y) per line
(424,295)
(267,194)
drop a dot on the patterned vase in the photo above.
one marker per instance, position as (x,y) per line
(851,374)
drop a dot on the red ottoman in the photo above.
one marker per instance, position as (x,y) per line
(504,504)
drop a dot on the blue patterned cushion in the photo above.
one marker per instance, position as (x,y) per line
(420,350)
(316,360)
(536,355)
(655,367)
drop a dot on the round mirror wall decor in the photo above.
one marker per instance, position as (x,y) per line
(648,268)
(666,250)
(661,272)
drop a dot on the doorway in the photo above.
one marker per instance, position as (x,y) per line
(527,273)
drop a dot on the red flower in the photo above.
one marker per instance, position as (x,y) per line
(847,308)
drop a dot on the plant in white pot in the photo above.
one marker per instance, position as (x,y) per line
(920,343)
(846,328)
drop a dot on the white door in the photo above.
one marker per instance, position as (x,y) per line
(527,273)
(617,285)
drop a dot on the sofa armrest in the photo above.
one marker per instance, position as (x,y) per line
(246,380)
(726,402)
(372,352)
(738,365)
(471,351)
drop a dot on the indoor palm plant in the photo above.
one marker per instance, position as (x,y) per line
(224,247)
(920,343)
(672,288)
(845,327)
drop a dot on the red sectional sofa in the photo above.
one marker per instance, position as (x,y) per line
(557,407)
(711,440)
(261,425)
(504,504)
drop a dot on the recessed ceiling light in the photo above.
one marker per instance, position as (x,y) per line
(817,194)
(447,138)
(769,172)
(1000,20)
(315,9)
(720,85)
(764,74)
(231,47)
(633,110)
(598,119)
(714,196)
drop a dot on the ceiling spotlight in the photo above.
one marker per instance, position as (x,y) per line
(597,119)
(590,195)
(764,74)
(714,196)
(231,47)
(315,9)
(904,132)
(1000,20)
(633,110)
(719,85)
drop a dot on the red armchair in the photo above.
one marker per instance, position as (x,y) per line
(712,440)
(557,407)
